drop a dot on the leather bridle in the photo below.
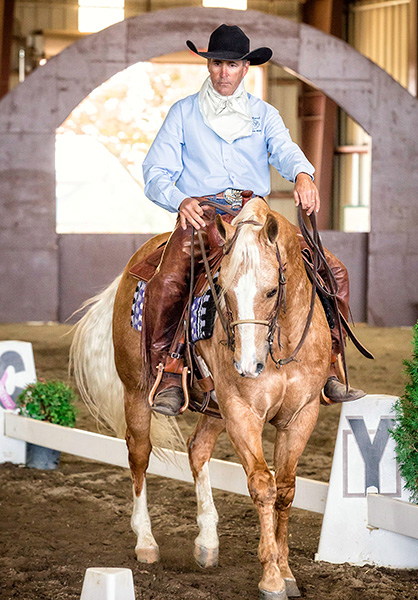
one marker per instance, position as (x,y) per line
(326,285)
(329,288)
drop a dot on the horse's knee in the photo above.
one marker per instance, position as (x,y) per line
(139,450)
(262,487)
(196,456)
(200,444)
(285,492)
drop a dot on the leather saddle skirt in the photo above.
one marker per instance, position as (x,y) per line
(146,268)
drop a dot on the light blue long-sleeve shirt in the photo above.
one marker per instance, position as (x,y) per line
(188,159)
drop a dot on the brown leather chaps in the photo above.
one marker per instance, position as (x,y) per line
(167,291)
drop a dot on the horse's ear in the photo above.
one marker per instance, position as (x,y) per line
(225,230)
(270,230)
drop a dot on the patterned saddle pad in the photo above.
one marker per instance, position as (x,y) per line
(202,318)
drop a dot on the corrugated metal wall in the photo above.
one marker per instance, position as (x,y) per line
(62,15)
(384,31)
(40,14)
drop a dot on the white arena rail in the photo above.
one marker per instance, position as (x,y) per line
(393,515)
(358,527)
(383,512)
(227,476)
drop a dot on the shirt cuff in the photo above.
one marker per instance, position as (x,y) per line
(306,173)
(176,198)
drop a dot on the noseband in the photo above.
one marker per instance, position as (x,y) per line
(252,321)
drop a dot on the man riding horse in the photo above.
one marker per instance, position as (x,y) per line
(217,145)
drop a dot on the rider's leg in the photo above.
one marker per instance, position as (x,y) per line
(165,297)
(334,390)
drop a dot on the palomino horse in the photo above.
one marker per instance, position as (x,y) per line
(250,388)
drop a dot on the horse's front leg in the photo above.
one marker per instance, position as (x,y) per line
(245,430)
(200,446)
(138,420)
(290,443)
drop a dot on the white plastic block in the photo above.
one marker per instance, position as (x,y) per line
(108,584)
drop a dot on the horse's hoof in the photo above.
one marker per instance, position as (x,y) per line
(292,589)
(147,555)
(206,557)
(265,595)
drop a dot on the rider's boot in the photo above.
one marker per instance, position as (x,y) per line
(164,300)
(336,391)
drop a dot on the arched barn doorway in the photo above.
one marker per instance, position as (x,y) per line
(35,262)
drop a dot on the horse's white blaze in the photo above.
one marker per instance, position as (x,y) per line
(140,521)
(245,292)
(207,516)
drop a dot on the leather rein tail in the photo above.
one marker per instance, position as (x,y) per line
(331,286)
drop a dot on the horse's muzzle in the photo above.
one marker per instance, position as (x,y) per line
(251,370)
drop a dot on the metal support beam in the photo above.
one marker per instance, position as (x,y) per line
(319,113)
(413,49)
(6,34)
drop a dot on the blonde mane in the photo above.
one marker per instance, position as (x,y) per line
(245,251)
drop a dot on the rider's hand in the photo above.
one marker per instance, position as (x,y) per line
(306,193)
(191,212)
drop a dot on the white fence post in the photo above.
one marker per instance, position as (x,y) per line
(364,462)
(17,370)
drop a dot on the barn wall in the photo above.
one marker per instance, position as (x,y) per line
(89,262)
(30,114)
(352,250)
(385,32)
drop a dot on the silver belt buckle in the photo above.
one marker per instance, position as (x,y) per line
(233,197)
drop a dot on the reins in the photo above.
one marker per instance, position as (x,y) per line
(318,257)
(225,324)
(329,287)
(316,263)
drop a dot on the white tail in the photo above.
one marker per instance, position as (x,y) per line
(93,364)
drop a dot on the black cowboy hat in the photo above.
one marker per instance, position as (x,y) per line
(229,42)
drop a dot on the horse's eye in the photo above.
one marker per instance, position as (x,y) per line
(272,293)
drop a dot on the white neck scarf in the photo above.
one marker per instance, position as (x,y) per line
(228,116)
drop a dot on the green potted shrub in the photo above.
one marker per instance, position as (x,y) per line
(405,432)
(51,401)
